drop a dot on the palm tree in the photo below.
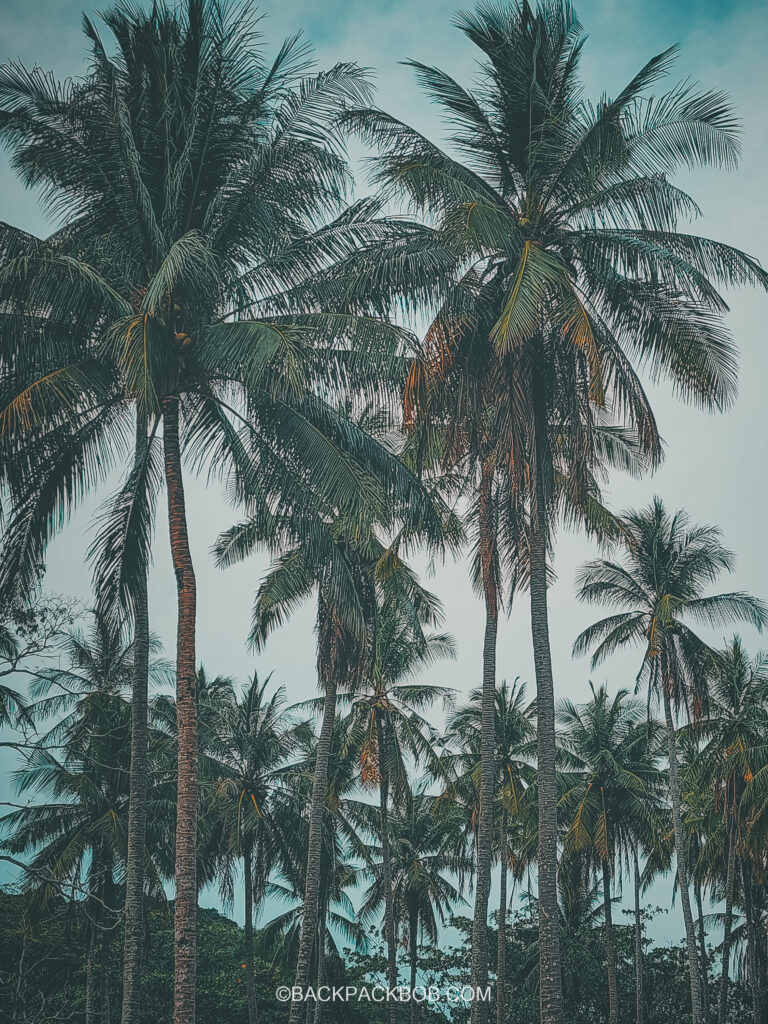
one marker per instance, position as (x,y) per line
(215,697)
(341,842)
(318,554)
(254,735)
(580,909)
(614,795)
(390,711)
(167,287)
(514,751)
(731,734)
(553,249)
(660,585)
(428,870)
(80,764)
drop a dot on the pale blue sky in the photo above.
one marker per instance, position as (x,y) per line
(715,465)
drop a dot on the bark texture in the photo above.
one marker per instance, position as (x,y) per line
(309,918)
(639,994)
(682,864)
(484,837)
(250,981)
(413,942)
(133,943)
(501,952)
(550,986)
(702,954)
(386,867)
(185,907)
(730,883)
(753,978)
(610,947)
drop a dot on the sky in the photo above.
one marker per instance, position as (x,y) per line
(714,464)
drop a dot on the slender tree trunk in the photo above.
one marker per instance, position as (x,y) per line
(386,865)
(702,952)
(610,947)
(311,1007)
(105,1008)
(133,940)
(413,941)
(639,996)
(682,866)
(94,910)
(730,883)
(107,919)
(319,1007)
(550,978)
(90,976)
(749,914)
(250,981)
(501,953)
(19,994)
(315,845)
(185,907)
(484,838)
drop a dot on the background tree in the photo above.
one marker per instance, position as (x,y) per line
(730,733)
(514,743)
(428,869)
(76,838)
(253,736)
(390,708)
(660,585)
(614,797)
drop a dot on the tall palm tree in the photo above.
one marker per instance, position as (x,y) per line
(660,585)
(614,797)
(348,573)
(165,289)
(553,253)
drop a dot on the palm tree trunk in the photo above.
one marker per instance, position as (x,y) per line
(315,845)
(185,907)
(639,996)
(106,943)
(133,935)
(730,883)
(484,838)
(105,1009)
(250,981)
(682,867)
(754,980)
(702,952)
(386,866)
(90,976)
(413,942)
(501,953)
(550,978)
(94,917)
(319,1006)
(610,947)
(311,1007)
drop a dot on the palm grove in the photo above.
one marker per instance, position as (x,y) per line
(214,302)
